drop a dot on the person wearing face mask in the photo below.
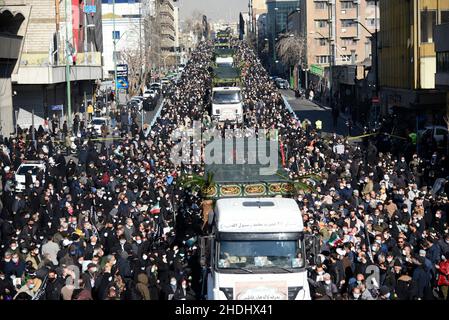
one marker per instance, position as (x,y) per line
(7,290)
(184,292)
(170,289)
(356,294)
(385,293)
(29,288)
(53,286)
(15,266)
(90,277)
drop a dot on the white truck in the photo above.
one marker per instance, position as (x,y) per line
(227,104)
(255,251)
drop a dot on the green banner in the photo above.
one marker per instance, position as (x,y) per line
(317,69)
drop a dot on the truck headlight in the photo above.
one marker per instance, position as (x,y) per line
(229,293)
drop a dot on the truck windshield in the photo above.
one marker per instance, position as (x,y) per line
(227,97)
(257,254)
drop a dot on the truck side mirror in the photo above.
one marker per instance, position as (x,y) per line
(312,248)
(205,250)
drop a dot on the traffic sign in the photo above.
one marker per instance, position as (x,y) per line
(375,100)
(90,8)
(57,107)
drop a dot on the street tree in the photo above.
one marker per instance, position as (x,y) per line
(291,49)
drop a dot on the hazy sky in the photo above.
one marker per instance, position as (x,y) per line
(227,10)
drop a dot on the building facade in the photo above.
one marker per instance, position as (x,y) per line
(408,60)
(338,32)
(53,33)
(168,33)
(277,18)
(126,19)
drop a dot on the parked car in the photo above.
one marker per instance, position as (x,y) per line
(97,123)
(150,94)
(282,83)
(437,132)
(156,87)
(28,165)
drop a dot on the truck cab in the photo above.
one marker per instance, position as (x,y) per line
(227,104)
(256,251)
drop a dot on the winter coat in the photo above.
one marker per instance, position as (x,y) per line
(142,286)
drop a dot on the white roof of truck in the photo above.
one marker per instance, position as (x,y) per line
(226,89)
(257,215)
(224,60)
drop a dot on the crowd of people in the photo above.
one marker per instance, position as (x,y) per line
(112,222)
(381,217)
(115,223)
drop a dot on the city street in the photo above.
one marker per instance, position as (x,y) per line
(306,109)
(256,203)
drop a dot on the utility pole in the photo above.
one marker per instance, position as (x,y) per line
(331,51)
(67,69)
(115,52)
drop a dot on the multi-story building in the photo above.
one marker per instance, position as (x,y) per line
(408,60)
(338,32)
(168,32)
(50,37)
(442,52)
(126,19)
(277,17)
(442,57)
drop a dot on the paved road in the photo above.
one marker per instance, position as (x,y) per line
(306,109)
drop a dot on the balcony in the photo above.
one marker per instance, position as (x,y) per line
(37,69)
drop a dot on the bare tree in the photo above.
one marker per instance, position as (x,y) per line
(291,49)
(135,75)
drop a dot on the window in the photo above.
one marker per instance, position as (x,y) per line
(440,132)
(116,55)
(347,5)
(370,3)
(322,59)
(428,22)
(347,23)
(320,5)
(444,16)
(321,41)
(260,254)
(348,41)
(371,22)
(321,23)
(115,35)
(443,62)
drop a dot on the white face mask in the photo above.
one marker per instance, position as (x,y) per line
(184,286)
(138,241)
(356,295)
(327,282)
(173,283)
(144,257)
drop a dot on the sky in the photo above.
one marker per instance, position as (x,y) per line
(228,10)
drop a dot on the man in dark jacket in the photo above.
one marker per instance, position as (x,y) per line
(54,286)
(420,281)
